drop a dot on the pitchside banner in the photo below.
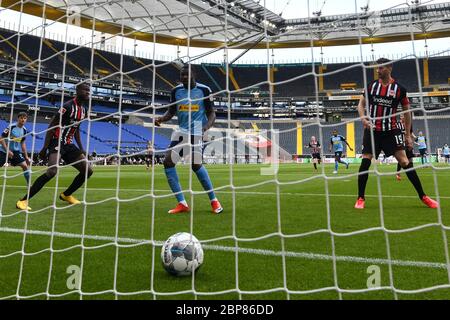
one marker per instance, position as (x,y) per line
(329,160)
(358,160)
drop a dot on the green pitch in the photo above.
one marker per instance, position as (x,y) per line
(257,212)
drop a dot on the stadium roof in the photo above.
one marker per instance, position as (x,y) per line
(240,23)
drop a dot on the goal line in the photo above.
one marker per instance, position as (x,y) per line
(262,252)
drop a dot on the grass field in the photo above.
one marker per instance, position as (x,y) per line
(257,212)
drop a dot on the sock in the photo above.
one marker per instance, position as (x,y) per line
(336,166)
(344,162)
(399,167)
(76,184)
(363,177)
(414,178)
(26,174)
(37,186)
(203,177)
(422,160)
(315,166)
(174,183)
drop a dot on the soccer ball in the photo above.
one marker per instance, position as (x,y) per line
(182,254)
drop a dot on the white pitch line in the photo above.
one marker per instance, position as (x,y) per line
(245,192)
(290,254)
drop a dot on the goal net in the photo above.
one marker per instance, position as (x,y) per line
(287,231)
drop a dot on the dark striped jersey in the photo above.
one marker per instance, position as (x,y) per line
(71,113)
(315,146)
(384,102)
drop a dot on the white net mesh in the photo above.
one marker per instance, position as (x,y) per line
(285,233)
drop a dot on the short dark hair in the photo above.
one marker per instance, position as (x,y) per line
(186,67)
(386,62)
(84,83)
(22,114)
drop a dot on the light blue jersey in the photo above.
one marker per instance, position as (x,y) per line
(446,151)
(16,137)
(422,141)
(338,143)
(191,117)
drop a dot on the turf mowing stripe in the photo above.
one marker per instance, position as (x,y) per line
(289,254)
(244,192)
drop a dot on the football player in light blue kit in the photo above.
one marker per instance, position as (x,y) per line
(337,143)
(195,117)
(15,152)
(446,153)
(421,141)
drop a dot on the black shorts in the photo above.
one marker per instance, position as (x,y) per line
(316,156)
(17,159)
(409,153)
(69,152)
(197,146)
(423,152)
(387,141)
(447,156)
(338,154)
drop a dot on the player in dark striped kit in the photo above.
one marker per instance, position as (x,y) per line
(315,147)
(58,143)
(149,157)
(384,97)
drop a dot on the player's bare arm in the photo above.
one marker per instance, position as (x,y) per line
(413,138)
(3,143)
(210,115)
(362,112)
(78,140)
(408,137)
(170,113)
(25,153)
(48,136)
(348,145)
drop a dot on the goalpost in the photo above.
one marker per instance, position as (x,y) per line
(29,237)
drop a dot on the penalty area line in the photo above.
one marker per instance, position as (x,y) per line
(263,252)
